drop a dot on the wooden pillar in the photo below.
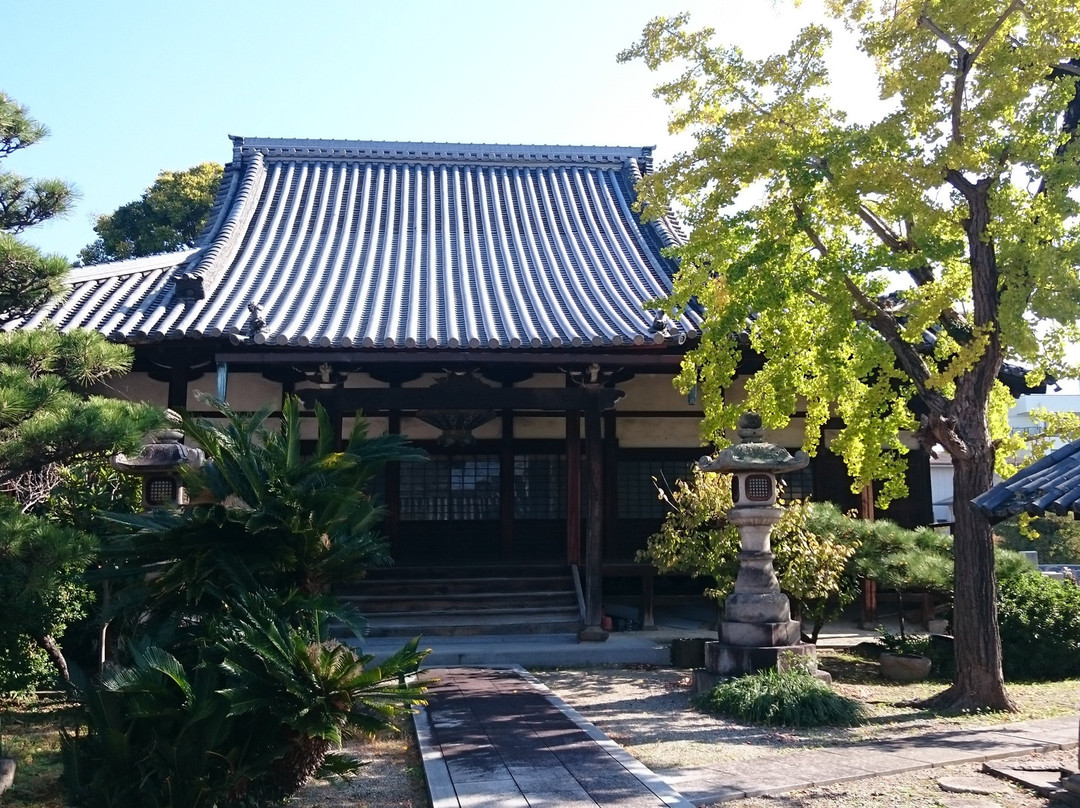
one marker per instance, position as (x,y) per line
(573,487)
(611,488)
(506,484)
(178,388)
(594,459)
(392,472)
(869,588)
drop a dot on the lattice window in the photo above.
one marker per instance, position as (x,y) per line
(451,488)
(637,493)
(540,487)
(797,484)
(160,491)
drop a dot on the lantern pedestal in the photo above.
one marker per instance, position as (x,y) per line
(757,631)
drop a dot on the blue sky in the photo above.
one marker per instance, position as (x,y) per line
(130,87)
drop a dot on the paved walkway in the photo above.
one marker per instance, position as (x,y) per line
(498,737)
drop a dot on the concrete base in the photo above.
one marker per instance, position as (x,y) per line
(592,634)
(735,660)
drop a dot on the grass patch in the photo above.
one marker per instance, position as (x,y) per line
(787,699)
(31,735)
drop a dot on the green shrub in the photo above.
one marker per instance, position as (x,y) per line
(915,644)
(1057,540)
(246,724)
(791,699)
(42,592)
(1040,627)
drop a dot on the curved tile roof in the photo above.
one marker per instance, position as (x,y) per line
(1051,483)
(329,243)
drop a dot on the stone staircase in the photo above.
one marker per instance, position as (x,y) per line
(466,601)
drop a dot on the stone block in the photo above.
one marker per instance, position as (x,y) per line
(752,607)
(732,660)
(759,634)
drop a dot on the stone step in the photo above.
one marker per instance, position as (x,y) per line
(457,586)
(465,601)
(453,625)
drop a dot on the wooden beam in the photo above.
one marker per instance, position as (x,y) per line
(635,357)
(506,484)
(355,399)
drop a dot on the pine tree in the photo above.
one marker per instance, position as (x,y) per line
(47,418)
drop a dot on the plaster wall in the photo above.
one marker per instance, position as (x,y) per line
(645,433)
(654,392)
(135,387)
(245,392)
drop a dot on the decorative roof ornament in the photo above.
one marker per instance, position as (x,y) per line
(257,322)
(456,424)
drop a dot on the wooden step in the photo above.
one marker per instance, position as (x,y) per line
(458,601)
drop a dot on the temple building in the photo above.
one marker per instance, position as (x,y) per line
(490,302)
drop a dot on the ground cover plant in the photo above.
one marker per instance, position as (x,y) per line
(792,698)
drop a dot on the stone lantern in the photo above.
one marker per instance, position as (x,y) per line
(757,630)
(159,466)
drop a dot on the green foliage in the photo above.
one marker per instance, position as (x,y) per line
(882,265)
(41,587)
(25,203)
(696,538)
(169,216)
(788,699)
(912,644)
(229,693)
(275,519)
(848,210)
(244,725)
(1039,620)
(1055,538)
(86,490)
(45,416)
(46,421)
(27,278)
(902,559)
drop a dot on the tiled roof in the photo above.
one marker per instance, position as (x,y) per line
(1049,484)
(363,244)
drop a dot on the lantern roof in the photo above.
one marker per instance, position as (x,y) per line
(754,453)
(164,453)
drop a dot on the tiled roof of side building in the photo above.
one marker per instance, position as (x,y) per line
(1050,484)
(331,243)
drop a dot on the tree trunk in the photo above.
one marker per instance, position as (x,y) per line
(963,429)
(979,681)
(56,656)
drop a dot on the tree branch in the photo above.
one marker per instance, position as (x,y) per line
(1000,21)
(965,60)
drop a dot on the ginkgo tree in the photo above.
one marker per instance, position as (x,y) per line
(883,269)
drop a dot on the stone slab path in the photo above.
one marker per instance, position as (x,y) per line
(499,738)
